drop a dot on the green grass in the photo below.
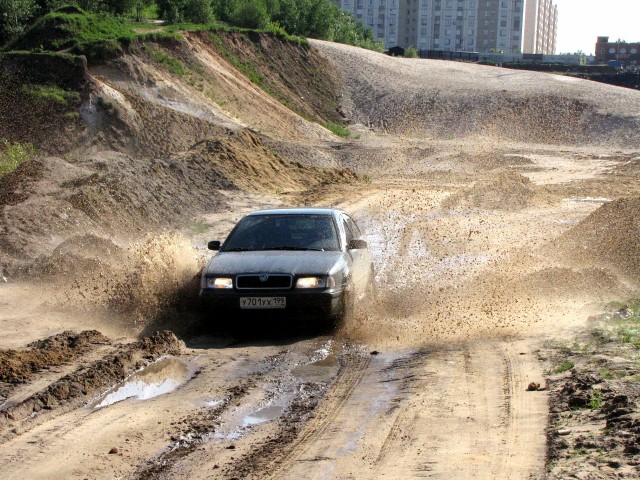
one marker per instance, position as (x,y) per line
(564,366)
(164,58)
(595,401)
(50,94)
(150,12)
(57,31)
(337,129)
(14,154)
(198,226)
(632,303)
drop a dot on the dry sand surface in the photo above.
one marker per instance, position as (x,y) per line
(485,246)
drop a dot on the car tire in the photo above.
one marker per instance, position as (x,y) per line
(348,307)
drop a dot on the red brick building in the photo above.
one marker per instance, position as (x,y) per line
(627,53)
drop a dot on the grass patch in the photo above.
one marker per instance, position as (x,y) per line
(337,129)
(50,94)
(14,154)
(162,57)
(198,226)
(632,303)
(60,30)
(564,366)
(595,401)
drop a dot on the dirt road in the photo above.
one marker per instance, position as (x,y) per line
(431,384)
(500,208)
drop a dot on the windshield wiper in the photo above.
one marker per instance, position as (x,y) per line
(237,249)
(296,248)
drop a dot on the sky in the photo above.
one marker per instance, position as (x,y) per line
(580,22)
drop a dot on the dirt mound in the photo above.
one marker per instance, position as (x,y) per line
(292,72)
(508,190)
(563,282)
(48,201)
(610,237)
(85,382)
(83,253)
(251,165)
(18,366)
(443,99)
(105,193)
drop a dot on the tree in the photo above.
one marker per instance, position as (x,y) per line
(222,9)
(119,7)
(15,15)
(139,6)
(250,14)
(198,11)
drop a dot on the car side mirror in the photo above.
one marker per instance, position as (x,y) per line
(357,245)
(213,245)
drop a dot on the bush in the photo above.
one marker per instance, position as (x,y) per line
(13,155)
(198,11)
(194,11)
(250,14)
(411,53)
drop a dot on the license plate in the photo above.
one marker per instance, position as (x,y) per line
(263,302)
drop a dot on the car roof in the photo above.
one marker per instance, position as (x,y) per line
(297,211)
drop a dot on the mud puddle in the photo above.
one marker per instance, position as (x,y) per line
(159,378)
(263,415)
(320,371)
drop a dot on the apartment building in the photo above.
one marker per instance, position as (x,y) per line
(509,26)
(541,27)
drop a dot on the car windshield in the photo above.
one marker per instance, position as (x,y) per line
(283,232)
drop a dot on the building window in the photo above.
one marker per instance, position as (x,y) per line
(634,51)
(623,50)
(612,50)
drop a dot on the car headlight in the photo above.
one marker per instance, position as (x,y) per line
(315,282)
(220,282)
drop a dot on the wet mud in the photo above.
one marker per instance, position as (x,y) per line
(85,382)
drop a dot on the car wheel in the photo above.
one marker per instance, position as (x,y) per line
(348,307)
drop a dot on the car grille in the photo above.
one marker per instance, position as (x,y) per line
(261,282)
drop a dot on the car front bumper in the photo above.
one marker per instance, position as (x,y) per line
(326,303)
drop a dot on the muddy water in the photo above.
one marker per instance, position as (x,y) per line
(320,371)
(159,378)
(263,415)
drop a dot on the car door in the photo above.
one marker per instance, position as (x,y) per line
(360,257)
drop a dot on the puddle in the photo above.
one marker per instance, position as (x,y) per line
(263,415)
(320,371)
(159,378)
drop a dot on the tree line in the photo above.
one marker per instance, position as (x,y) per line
(306,18)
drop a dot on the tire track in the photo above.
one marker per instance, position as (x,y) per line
(350,376)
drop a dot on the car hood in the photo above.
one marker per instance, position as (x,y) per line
(294,262)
